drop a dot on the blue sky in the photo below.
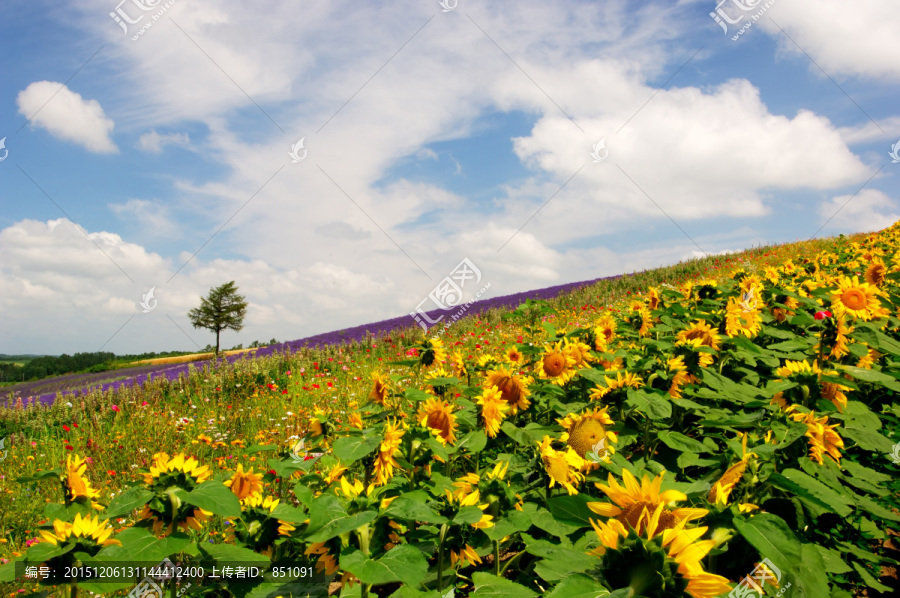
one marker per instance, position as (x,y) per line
(161,159)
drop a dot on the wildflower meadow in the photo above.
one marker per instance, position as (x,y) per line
(724,427)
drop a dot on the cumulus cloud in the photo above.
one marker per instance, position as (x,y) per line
(154,143)
(870,210)
(66,115)
(852,40)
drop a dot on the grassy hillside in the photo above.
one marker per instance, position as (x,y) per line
(664,432)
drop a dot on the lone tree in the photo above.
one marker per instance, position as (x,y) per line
(222,310)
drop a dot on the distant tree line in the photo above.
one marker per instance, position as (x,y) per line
(43,367)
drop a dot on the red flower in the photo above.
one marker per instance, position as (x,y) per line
(69,448)
(66,428)
(821,315)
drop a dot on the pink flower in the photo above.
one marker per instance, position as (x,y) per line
(144,404)
(88,459)
(821,315)
(116,408)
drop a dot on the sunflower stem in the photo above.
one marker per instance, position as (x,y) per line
(497,558)
(440,562)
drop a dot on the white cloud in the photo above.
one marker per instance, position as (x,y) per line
(154,143)
(68,116)
(869,211)
(152,217)
(846,39)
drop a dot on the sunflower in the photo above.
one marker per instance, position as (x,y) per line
(695,357)
(458,365)
(335,474)
(860,300)
(739,320)
(514,356)
(464,555)
(639,318)
(493,409)
(380,389)
(781,314)
(585,432)
(876,273)
(390,446)
(467,487)
(326,563)
(702,331)
(166,510)
(673,555)
(432,352)
(178,466)
(622,380)
(437,415)
(562,466)
(257,528)
(513,389)
(721,490)
(632,500)
(653,299)
(681,376)
(604,332)
(78,487)
(87,530)
(580,352)
(835,393)
(245,483)
(869,359)
(557,365)
(823,439)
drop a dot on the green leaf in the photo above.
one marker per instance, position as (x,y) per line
(514,521)
(286,512)
(350,449)
(872,376)
(233,554)
(789,346)
(412,506)
(215,497)
(404,563)
(869,440)
(123,504)
(811,490)
(491,586)
(41,475)
(558,561)
(543,519)
(138,544)
(653,405)
(327,519)
(572,509)
(578,586)
(869,580)
(774,540)
(468,515)
(437,448)
(680,442)
(834,562)
(473,442)
(869,505)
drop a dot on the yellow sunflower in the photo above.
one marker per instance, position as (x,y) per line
(83,528)
(465,555)
(702,331)
(326,563)
(557,364)
(380,389)
(622,380)
(562,466)
(514,356)
(245,483)
(680,377)
(639,317)
(389,448)
(740,320)
(513,389)
(876,273)
(823,439)
(631,500)
(860,300)
(437,415)
(586,431)
(78,486)
(493,410)
(580,353)
(604,332)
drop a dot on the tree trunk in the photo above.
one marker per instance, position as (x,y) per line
(217,342)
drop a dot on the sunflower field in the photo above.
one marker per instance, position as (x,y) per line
(729,433)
